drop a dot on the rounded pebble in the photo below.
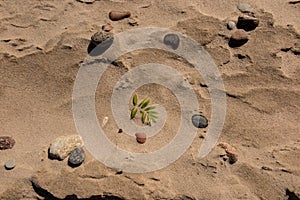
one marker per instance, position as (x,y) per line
(199,121)
(6,142)
(172,40)
(141,137)
(238,38)
(118,15)
(231,25)
(10,164)
(77,157)
(107,27)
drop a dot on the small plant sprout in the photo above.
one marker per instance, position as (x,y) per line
(148,115)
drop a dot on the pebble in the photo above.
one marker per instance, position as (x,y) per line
(107,27)
(6,142)
(141,137)
(247,23)
(62,146)
(104,121)
(199,121)
(238,38)
(10,164)
(77,157)
(231,152)
(245,8)
(101,36)
(172,40)
(118,15)
(231,25)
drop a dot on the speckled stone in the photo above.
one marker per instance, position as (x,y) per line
(77,157)
(172,40)
(101,36)
(63,146)
(10,164)
(199,121)
(6,142)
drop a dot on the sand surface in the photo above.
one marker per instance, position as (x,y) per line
(42,44)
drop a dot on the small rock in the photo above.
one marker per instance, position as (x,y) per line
(101,36)
(120,130)
(199,121)
(104,121)
(10,164)
(118,15)
(247,23)
(77,157)
(86,1)
(6,142)
(141,137)
(133,22)
(63,146)
(172,40)
(245,8)
(107,27)
(266,168)
(231,25)
(238,38)
(231,152)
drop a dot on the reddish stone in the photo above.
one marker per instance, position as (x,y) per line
(141,137)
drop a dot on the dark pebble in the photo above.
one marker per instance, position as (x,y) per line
(6,142)
(172,40)
(199,121)
(77,157)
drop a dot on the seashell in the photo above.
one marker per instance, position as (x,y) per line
(118,15)
(141,137)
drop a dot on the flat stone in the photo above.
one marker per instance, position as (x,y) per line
(6,142)
(77,157)
(231,25)
(199,121)
(245,8)
(172,40)
(62,146)
(10,164)
(247,23)
(238,38)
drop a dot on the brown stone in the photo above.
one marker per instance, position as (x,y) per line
(247,23)
(141,138)
(238,38)
(118,15)
(6,142)
(107,27)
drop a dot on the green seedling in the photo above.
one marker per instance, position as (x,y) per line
(148,115)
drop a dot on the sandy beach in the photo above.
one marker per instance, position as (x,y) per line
(43,44)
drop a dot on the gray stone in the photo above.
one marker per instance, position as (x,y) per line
(6,142)
(199,121)
(10,164)
(231,25)
(77,157)
(172,40)
(63,146)
(245,7)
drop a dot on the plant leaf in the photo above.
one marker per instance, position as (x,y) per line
(150,108)
(135,99)
(133,112)
(144,103)
(143,117)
